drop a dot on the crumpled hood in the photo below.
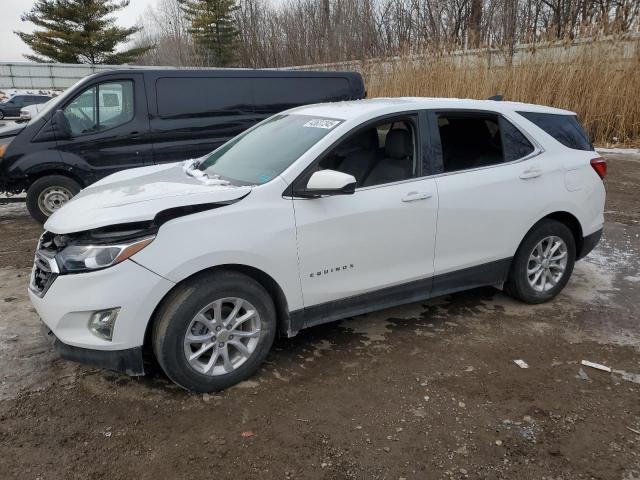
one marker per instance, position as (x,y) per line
(137,195)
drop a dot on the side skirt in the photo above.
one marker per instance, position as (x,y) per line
(491,273)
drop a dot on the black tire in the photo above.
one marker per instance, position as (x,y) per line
(66,185)
(183,304)
(517,284)
(1,115)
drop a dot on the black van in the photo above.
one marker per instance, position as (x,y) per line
(121,119)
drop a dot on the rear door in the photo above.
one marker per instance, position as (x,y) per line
(110,127)
(493,181)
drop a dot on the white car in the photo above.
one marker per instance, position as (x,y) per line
(30,111)
(316,214)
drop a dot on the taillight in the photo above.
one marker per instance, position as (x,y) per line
(600,166)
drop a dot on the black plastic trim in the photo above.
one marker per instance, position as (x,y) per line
(491,273)
(171,213)
(589,243)
(481,275)
(127,361)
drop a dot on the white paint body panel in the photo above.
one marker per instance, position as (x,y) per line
(137,195)
(456,221)
(352,244)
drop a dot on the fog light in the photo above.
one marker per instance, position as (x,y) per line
(101,323)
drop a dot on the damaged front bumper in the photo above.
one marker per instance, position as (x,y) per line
(127,361)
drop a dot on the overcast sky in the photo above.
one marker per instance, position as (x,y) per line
(12,48)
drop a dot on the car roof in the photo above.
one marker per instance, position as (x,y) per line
(380,106)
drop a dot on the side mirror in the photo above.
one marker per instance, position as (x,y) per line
(61,125)
(329,182)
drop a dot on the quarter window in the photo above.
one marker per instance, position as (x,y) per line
(379,154)
(472,140)
(564,128)
(514,143)
(101,107)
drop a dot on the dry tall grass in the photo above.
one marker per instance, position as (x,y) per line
(600,86)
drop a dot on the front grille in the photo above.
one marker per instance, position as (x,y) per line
(44,270)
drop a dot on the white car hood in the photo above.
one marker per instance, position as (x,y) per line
(137,195)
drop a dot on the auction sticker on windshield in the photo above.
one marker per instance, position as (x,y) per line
(321,123)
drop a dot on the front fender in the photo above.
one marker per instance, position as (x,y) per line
(257,232)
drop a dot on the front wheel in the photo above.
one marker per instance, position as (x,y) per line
(48,194)
(543,263)
(214,331)
(1,115)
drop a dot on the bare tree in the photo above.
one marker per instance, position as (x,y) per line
(301,32)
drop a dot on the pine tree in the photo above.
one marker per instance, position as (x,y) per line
(78,31)
(213,29)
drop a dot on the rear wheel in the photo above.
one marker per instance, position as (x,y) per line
(543,263)
(214,331)
(48,194)
(1,114)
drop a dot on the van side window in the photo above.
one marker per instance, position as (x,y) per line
(185,97)
(469,140)
(280,93)
(377,155)
(515,144)
(101,107)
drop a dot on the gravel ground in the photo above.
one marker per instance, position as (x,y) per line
(429,390)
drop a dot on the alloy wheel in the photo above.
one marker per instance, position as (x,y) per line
(547,263)
(222,336)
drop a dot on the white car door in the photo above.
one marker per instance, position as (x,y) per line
(379,237)
(495,182)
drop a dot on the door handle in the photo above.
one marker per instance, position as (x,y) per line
(532,172)
(135,135)
(415,196)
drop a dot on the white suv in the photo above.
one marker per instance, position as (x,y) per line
(316,214)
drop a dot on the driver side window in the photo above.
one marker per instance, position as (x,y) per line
(379,154)
(101,107)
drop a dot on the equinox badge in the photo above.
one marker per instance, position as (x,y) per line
(327,271)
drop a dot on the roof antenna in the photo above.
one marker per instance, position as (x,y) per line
(496,98)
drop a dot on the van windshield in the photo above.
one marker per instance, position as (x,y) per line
(266,150)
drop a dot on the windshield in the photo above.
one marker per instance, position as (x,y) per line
(266,150)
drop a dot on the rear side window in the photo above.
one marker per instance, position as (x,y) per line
(469,140)
(197,97)
(564,128)
(472,140)
(277,94)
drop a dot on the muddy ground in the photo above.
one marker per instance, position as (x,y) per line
(429,390)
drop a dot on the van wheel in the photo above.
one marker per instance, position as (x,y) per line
(214,330)
(48,194)
(543,263)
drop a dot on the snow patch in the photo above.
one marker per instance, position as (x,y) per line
(190,167)
(619,151)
